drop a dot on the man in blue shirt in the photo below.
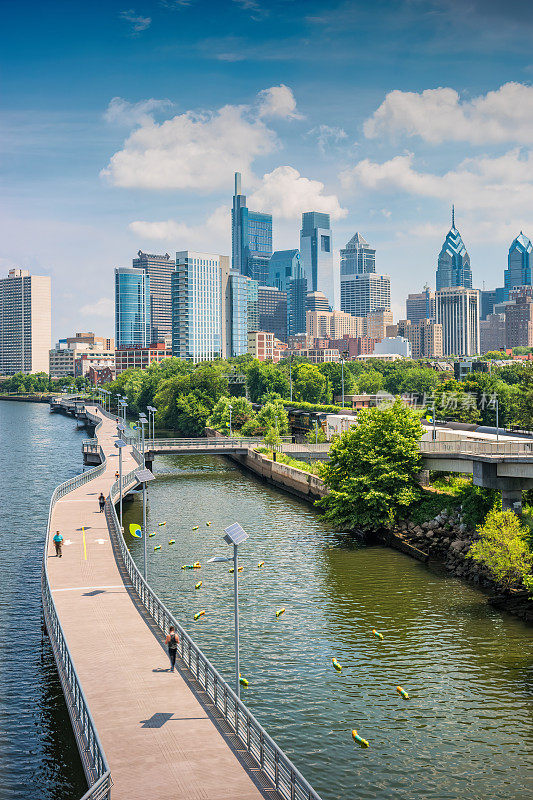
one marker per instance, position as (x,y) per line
(58,541)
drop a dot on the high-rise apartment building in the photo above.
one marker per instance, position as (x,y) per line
(159,269)
(251,238)
(25,322)
(316,254)
(333,325)
(272,311)
(453,267)
(519,263)
(285,272)
(519,320)
(425,337)
(240,313)
(376,323)
(132,307)
(457,310)
(199,288)
(316,301)
(492,335)
(420,305)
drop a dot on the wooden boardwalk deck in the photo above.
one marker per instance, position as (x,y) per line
(159,740)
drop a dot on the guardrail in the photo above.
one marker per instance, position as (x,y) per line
(467,447)
(288,781)
(208,443)
(91,751)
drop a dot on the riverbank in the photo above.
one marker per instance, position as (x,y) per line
(29,398)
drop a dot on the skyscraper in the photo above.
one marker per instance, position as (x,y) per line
(316,254)
(25,322)
(272,311)
(453,267)
(457,310)
(132,307)
(285,272)
(241,312)
(251,237)
(420,305)
(362,290)
(357,257)
(159,269)
(519,262)
(199,288)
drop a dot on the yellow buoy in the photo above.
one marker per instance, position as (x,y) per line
(279,612)
(199,614)
(336,664)
(172,541)
(377,634)
(402,692)
(208,524)
(197,565)
(161,523)
(195,527)
(359,739)
(242,680)
(151,534)
(239,569)
(261,564)
(157,547)
(197,586)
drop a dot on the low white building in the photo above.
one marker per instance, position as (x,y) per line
(393,345)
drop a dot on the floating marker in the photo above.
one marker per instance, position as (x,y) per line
(359,739)
(195,527)
(161,523)
(197,586)
(242,680)
(377,634)
(208,524)
(187,566)
(151,534)
(199,614)
(157,547)
(197,565)
(135,530)
(402,692)
(336,664)
(261,563)
(172,541)
(279,612)
(239,569)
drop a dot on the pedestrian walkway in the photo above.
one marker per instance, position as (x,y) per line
(159,740)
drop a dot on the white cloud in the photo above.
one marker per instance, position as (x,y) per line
(104,307)
(194,150)
(122,112)
(138,23)
(214,232)
(439,115)
(285,193)
(495,194)
(278,101)
(327,135)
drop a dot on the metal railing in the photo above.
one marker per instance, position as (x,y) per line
(269,757)
(467,447)
(91,751)
(215,443)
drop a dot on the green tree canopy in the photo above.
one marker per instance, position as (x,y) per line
(503,549)
(265,377)
(309,383)
(370,382)
(373,469)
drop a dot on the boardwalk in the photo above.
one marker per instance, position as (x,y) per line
(158,739)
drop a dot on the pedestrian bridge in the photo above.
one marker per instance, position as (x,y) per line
(143,733)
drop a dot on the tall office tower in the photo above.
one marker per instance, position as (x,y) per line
(363,294)
(285,272)
(132,307)
(316,254)
(492,335)
(241,312)
(159,269)
(457,310)
(519,262)
(316,301)
(199,292)
(251,238)
(453,267)
(357,258)
(519,319)
(420,305)
(488,298)
(25,322)
(272,311)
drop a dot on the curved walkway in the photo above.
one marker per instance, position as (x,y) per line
(159,740)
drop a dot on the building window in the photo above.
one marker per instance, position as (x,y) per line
(325,244)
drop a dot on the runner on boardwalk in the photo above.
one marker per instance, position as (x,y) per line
(172,640)
(101,501)
(58,542)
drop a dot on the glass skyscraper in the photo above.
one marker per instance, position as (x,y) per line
(251,237)
(159,269)
(241,312)
(362,290)
(518,272)
(454,262)
(357,257)
(285,272)
(316,254)
(132,307)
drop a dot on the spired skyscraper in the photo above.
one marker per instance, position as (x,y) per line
(251,238)
(316,254)
(454,262)
(518,272)
(362,290)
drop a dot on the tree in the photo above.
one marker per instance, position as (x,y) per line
(373,469)
(273,415)
(263,378)
(419,381)
(370,382)
(272,438)
(503,549)
(309,383)
(333,373)
(241,412)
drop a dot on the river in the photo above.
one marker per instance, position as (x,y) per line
(465,732)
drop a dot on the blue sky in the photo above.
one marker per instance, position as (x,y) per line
(122,123)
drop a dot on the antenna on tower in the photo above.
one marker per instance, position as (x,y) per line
(453,216)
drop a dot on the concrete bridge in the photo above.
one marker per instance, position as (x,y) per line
(143,733)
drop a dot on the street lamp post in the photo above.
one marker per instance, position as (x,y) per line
(342,373)
(119,444)
(143,476)
(230,410)
(290,373)
(234,535)
(497,421)
(151,410)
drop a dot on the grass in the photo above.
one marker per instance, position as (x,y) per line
(454,492)
(282,458)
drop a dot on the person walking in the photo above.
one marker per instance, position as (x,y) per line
(58,542)
(172,641)
(101,501)
(117,475)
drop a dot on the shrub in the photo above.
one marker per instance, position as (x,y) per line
(502,548)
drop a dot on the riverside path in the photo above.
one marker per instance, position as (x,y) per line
(159,740)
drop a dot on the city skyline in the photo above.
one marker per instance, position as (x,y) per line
(93,175)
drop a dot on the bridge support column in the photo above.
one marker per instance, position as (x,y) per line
(149,460)
(512,500)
